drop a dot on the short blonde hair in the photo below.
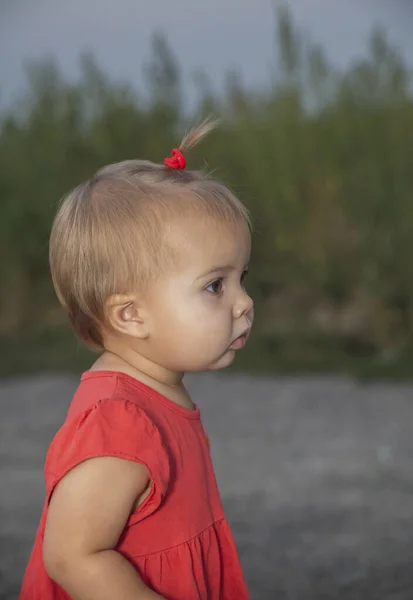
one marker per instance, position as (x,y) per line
(108,234)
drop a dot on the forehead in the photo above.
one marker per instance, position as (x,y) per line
(200,244)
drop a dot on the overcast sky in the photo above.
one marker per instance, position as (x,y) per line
(214,35)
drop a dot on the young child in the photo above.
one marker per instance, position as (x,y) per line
(149,262)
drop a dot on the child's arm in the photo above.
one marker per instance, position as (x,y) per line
(87,513)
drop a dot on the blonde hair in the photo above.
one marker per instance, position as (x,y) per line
(108,234)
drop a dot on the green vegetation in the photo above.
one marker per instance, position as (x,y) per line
(322,158)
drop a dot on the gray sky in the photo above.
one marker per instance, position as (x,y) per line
(214,35)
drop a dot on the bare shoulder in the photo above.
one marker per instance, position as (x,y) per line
(91,504)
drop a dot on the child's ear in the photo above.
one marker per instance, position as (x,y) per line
(123,315)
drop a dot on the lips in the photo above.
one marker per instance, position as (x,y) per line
(240,341)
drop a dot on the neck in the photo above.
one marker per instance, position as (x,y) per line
(126,360)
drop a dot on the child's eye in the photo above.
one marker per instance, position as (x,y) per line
(215,287)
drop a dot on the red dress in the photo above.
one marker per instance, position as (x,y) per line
(178,539)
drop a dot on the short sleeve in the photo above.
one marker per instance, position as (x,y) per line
(117,428)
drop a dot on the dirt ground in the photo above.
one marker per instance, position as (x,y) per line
(316,476)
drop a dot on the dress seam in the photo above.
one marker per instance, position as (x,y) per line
(220,520)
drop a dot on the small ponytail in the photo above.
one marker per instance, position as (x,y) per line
(196,134)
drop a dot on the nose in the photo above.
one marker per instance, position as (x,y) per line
(243,306)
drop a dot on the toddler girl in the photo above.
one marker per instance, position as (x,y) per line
(149,262)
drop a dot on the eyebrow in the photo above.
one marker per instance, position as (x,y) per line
(221,268)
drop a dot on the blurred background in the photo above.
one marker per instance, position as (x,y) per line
(316,103)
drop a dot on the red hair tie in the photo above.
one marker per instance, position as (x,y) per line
(177,161)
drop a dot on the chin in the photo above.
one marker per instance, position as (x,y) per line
(217,364)
(223,362)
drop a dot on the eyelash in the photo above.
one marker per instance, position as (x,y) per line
(220,281)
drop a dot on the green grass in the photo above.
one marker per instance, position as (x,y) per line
(50,350)
(299,355)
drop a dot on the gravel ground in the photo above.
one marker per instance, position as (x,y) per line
(315,473)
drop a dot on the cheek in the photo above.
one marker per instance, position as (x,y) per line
(197,314)
(209,311)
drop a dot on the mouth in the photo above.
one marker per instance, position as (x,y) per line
(241,340)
